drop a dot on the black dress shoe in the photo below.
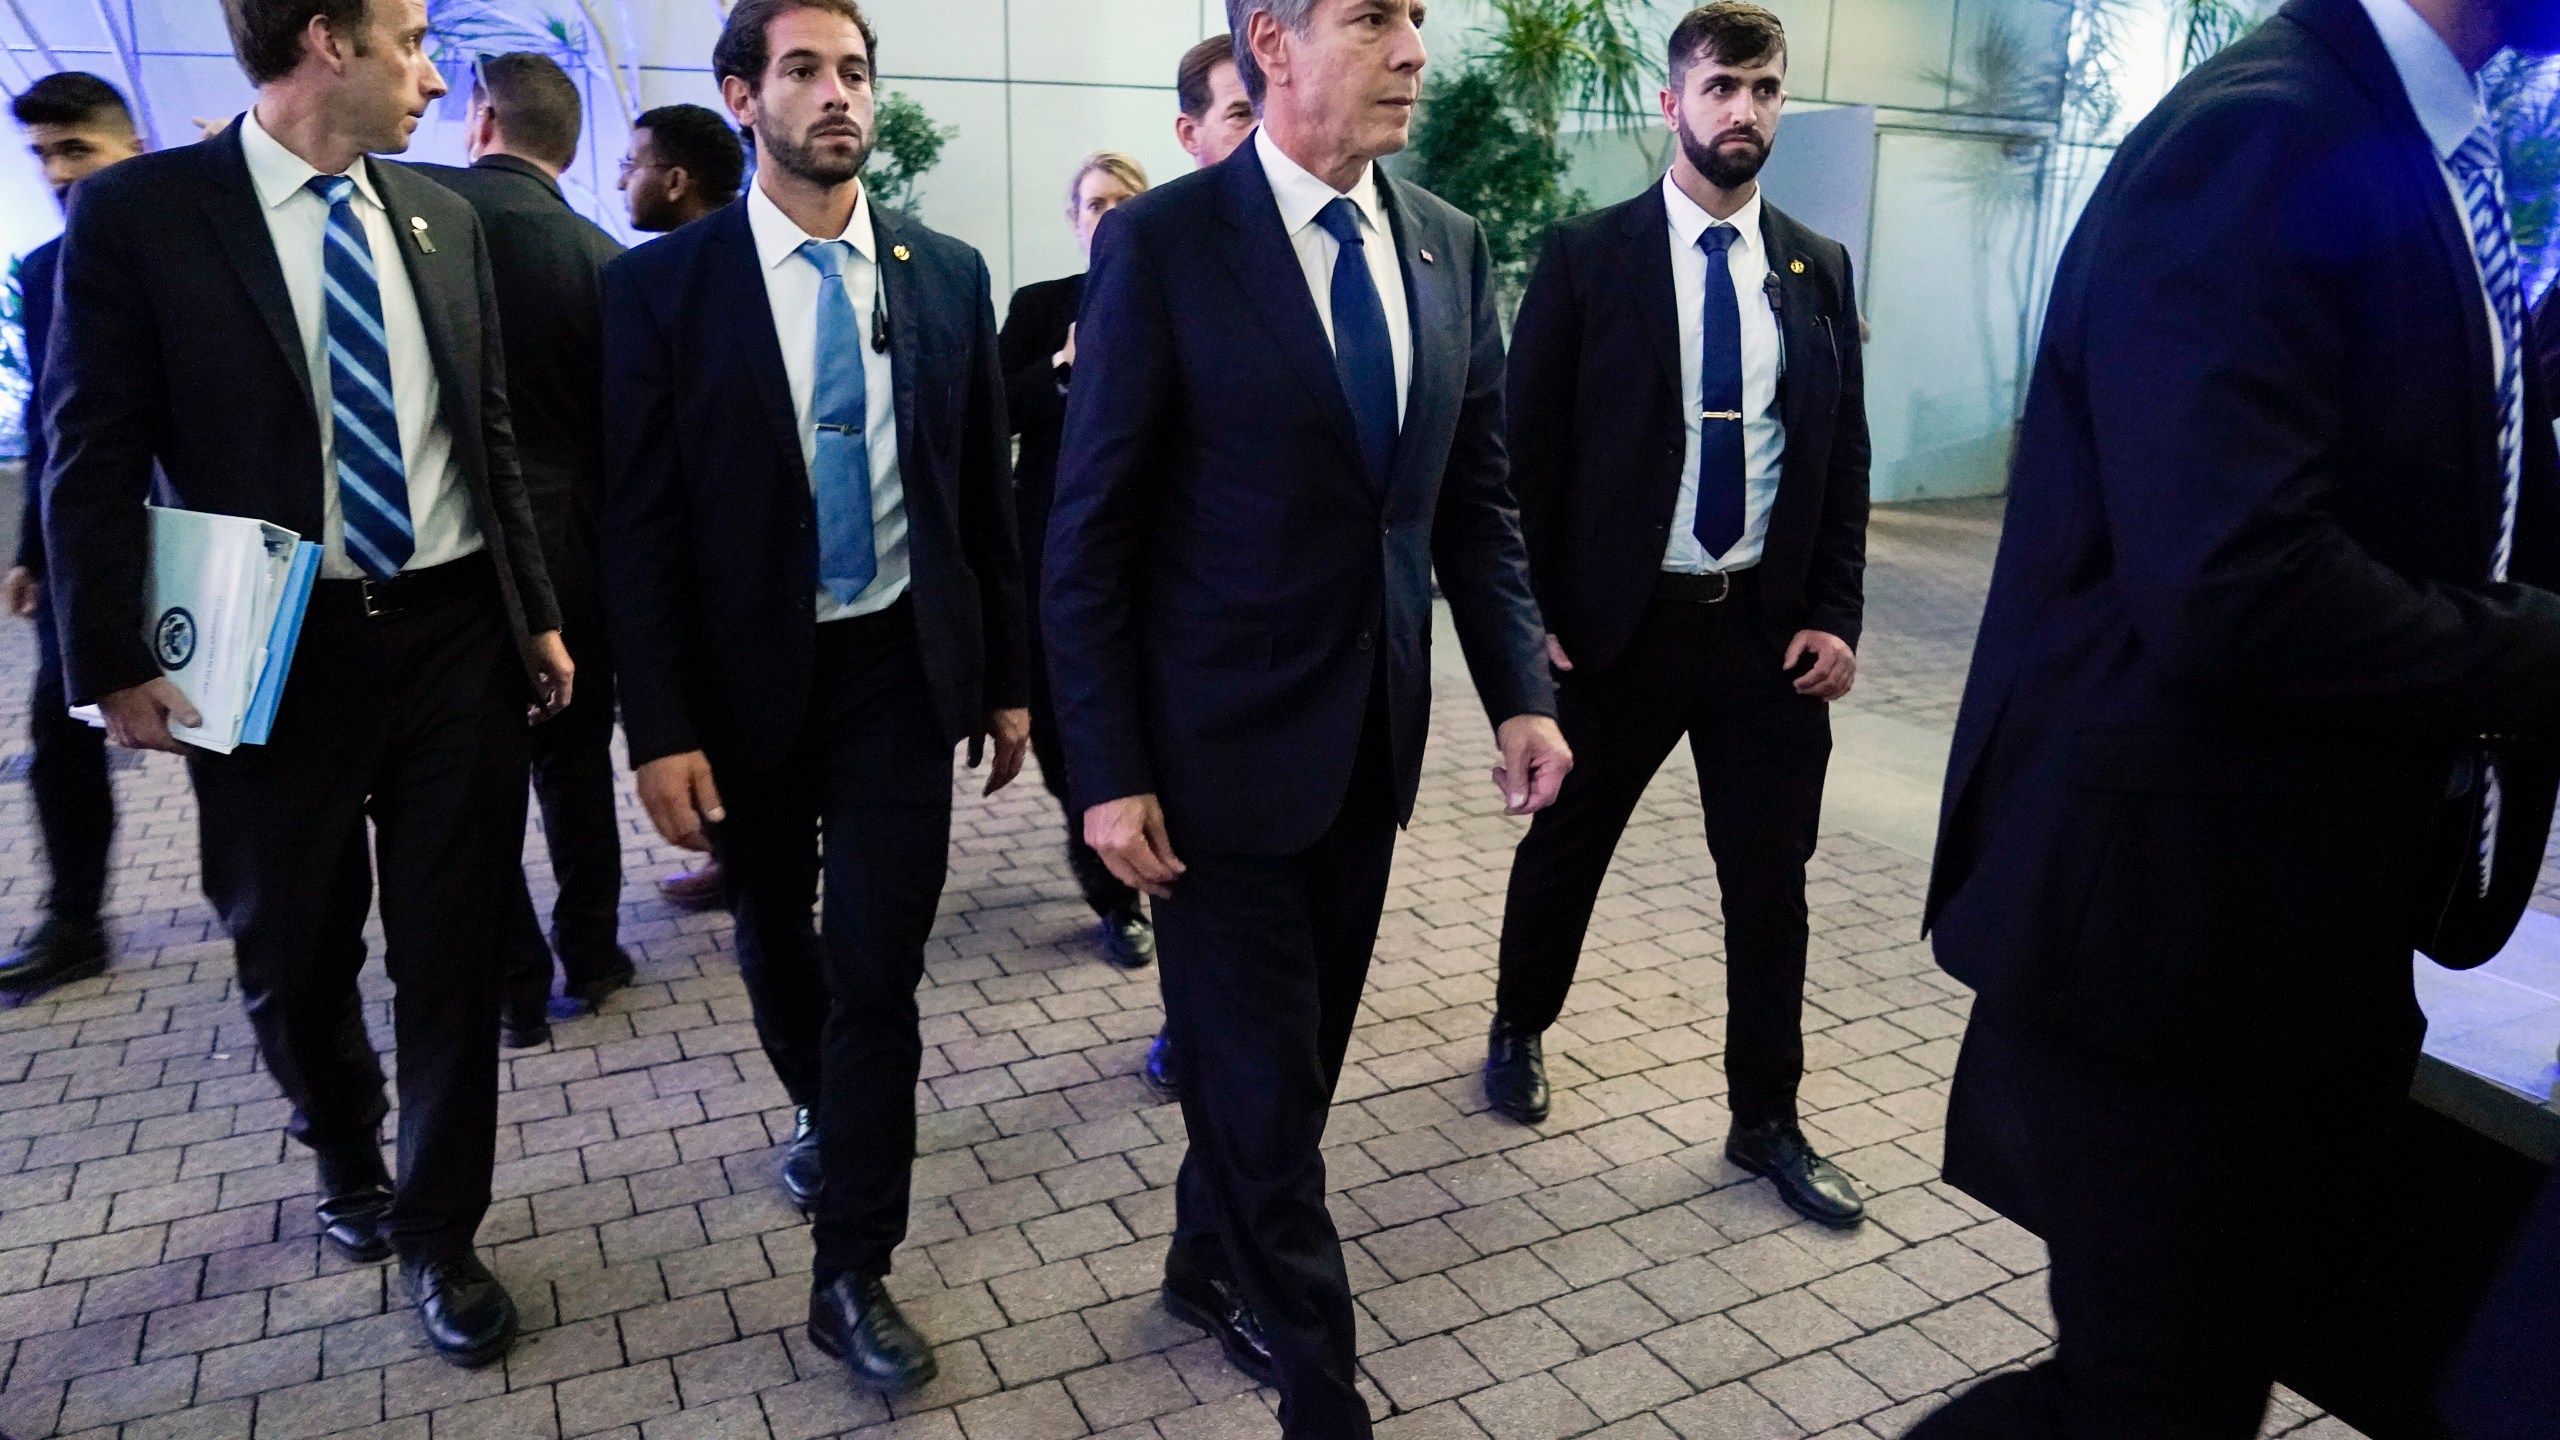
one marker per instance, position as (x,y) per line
(1129,938)
(855,1321)
(1218,1307)
(1515,1072)
(355,1197)
(1159,1072)
(523,1032)
(704,889)
(467,1314)
(1812,1186)
(582,998)
(801,1177)
(60,952)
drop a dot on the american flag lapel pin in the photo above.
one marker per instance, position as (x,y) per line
(418,232)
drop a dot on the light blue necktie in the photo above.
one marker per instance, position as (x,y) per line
(841,473)
(2484,205)
(1719,521)
(373,485)
(1364,355)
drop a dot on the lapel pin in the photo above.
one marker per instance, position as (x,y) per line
(1427,258)
(418,232)
(1796,265)
(902,252)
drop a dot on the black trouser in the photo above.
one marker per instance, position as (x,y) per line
(1104,891)
(1709,672)
(416,720)
(68,773)
(2190,1219)
(1263,960)
(572,756)
(836,1004)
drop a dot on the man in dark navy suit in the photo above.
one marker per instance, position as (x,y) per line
(1689,441)
(77,125)
(815,594)
(1287,411)
(548,262)
(272,324)
(2282,532)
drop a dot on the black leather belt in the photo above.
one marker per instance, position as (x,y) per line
(1713,588)
(411,589)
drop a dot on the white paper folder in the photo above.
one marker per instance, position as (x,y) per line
(222,611)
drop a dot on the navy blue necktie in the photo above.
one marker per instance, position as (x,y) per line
(1720,482)
(1362,354)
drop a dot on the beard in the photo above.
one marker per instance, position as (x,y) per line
(802,157)
(1724,170)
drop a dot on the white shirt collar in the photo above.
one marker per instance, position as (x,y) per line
(1689,220)
(2446,96)
(779,237)
(1302,195)
(280,174)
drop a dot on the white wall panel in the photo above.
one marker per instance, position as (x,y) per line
(961,39)
(1103,42)
(1885,54)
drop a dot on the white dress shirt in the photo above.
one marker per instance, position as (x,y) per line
(791,291)
(1302,196)
(2447,99)
(298,223)
(1764,437)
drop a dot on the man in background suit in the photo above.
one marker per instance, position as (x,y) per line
(1214,115)
(815,595)
(547,260)
(1689,443)
(77,125)
(1037,348)
(1288,411)
(282,328)
(2281,535)
(684,163)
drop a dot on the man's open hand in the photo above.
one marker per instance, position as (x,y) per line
(677,792)
(139,716)
(1835,665)
(1011,730)
(1534,762)
(1130,837)
(553,675)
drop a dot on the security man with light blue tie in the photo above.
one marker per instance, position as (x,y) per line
(1689,440)
(815,594)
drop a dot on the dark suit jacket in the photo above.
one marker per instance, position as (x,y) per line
(549,264)
(1598,435)
(176,343)
(1035,394)
(35,298)
(2241,627)
(710,544)
(1223,582)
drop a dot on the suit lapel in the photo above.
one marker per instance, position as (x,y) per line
(737,291)
(899,292)
(231,203)
(447,294)
(1646,233)
(1266,269)
(1800,339)
(1442,340)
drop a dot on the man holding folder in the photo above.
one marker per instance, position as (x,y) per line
(290,331)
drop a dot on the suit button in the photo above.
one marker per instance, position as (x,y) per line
(1363,641)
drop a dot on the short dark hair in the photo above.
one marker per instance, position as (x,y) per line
(71,97)
(1730,32)
(537,105)
(1191,77)
(266,35)
(742,51)
(699,143)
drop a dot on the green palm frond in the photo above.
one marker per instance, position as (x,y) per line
(1547,56)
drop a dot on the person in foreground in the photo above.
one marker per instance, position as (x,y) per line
(1696,520)
(2281,531)
(77,125)
(546,260)
(286,329)
(1038,348)
(1287,411)
(815,594)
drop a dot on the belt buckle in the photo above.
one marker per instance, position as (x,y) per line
(1724,586)
(379,600)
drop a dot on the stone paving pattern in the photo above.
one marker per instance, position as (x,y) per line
(1607,1274)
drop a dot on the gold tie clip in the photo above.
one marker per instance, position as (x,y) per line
(1719,414)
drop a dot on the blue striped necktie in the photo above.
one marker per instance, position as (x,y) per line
(2475,164)
(373,485)
(848,560)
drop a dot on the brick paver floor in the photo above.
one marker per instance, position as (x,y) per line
(1604,1274)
